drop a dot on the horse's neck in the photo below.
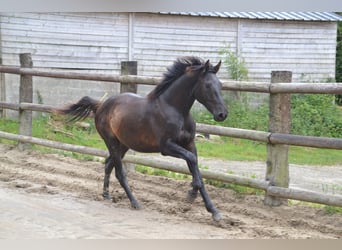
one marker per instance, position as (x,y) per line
(180,94)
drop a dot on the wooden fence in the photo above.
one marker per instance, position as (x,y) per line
(278,138)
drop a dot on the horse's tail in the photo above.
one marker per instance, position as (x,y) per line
(80,110)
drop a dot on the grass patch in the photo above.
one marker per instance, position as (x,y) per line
(332,210)
(160,172)
(245,150)
(232,149)
(52,128)
(47,128)
(328,209)
(315,156)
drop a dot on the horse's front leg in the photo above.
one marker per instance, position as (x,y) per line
(193,193)
(172,149)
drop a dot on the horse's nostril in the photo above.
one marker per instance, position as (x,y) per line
(222,115)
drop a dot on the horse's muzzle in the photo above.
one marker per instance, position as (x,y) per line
(220,116)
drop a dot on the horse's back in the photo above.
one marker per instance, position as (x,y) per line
(123,101)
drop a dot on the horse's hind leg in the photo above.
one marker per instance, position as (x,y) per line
(109,164)
(117,152)
(120,175)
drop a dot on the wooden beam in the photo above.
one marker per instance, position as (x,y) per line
(158,162)
(262,87)
(306,141)
(12,106)
(233,132)
(273,138)
(246,86)
(54,144)
(307,88)
(207,174)
(303,195)
(81,76)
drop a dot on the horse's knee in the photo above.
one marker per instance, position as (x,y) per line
(191,159)
(109,165)
(197,184)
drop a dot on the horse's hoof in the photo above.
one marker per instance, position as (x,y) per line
(106,195)
(136,205)
(217,216)
(192,195)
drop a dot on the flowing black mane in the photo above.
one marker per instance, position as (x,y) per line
(174,72)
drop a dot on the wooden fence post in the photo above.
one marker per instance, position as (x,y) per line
(277,172)
(25,95)
(2,92)
(129,68)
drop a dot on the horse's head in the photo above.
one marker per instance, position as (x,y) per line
(208,90)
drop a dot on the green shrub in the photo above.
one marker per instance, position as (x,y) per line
(315,115)
(235,64)
(241,115)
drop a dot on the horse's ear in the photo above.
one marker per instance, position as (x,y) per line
(206,66)
(217,67)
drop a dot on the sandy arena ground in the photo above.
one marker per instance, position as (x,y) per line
(51,196)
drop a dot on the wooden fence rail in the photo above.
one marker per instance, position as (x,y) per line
(261,87)
(288,193)
(261,136)
(277,139)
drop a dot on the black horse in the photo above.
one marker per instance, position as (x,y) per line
(160,122)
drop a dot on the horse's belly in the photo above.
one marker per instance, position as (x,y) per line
(142,145)
(145,148)
(134,125)
(139,141)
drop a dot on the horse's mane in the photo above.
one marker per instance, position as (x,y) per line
(173,73)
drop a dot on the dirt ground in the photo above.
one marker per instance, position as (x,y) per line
(51,196)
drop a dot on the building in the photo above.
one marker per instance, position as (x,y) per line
(302,42)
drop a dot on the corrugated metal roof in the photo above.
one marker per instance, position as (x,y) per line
(298,16)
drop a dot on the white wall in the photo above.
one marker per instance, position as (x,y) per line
(88,42)
(77,41)
(302,47)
